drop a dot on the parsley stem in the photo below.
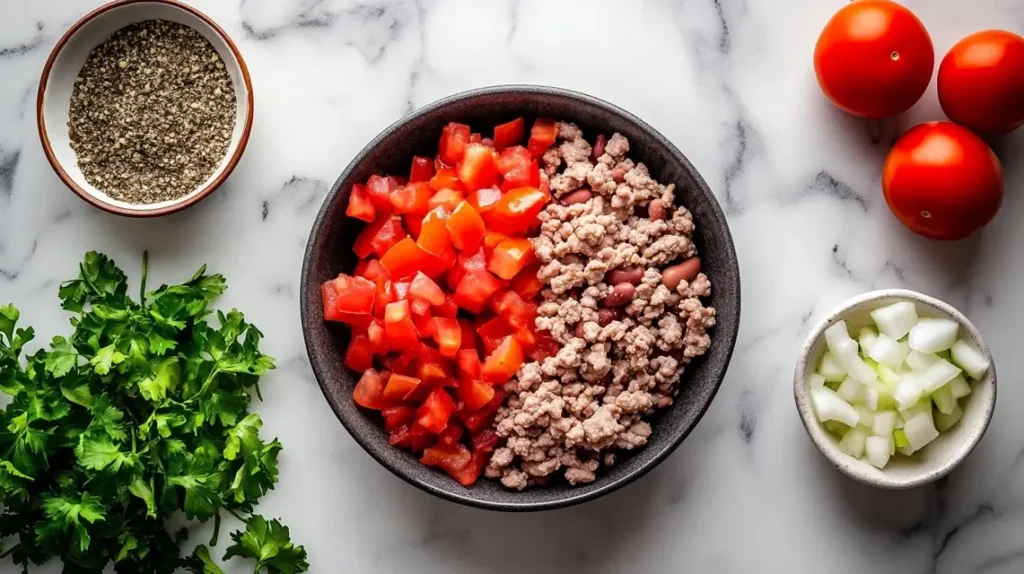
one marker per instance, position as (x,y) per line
(235,514)
(145,271)
(216,529)
(9,551)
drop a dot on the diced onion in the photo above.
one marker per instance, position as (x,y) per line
(908,392)
(853,443)
(889,352)
(919,362)
(924,406)
(884,423)
(844,348)
(878,449)
(831,369)
(869,398)
(933,335)
(850,390)
(830,407)
(971,360)
(866,340)
(943,399)
(887,375)
(938,374)
(867,417)
(920,431)
(895,320)
(959,387)
(815,380)
(944,422)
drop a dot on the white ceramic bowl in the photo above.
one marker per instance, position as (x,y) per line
(937,458)
(67,59)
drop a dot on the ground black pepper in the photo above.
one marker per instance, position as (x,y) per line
(152,113)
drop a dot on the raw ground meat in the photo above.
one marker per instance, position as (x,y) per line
(567,413)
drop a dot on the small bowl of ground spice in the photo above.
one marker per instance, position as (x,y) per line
(144,107)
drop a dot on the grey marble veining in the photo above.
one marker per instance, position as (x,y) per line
(731,83)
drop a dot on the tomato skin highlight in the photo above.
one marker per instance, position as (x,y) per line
(874,59)
(981,82)
(509,134)
(422,169)
(942,181)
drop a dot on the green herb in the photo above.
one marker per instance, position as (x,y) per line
(142,411)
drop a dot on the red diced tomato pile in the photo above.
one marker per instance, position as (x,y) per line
(441,302)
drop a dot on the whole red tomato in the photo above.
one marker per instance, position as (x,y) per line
(942,181)
(981,82)
(874,59)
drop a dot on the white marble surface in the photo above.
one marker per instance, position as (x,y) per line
(730,81)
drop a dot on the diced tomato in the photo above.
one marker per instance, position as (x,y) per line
(452,147)
(399,326)
(425,289)
(491,240)
(542,136)
(545,346)
(464,262)
(402,364)
(475,393)
(372,270)
(450,436)
(446,198)
(468,362)
(493,332)
(475,138)
(526,282)
(412,198)
(405,258)
(517,210)
(510,257)
(359,204)
(359,355)
(472,470)
(411,436)
(401,289)
(448,336)
(480,419)
(364,243)
(453,460)
(475,289)
(510,134)
(465,227)
(346,296)
(448,309)
(485,440)
(399,387)
(434,237)
(369,391)
(379,191)
(433,414)
(385,294)
(513,159)
(361,265)
(414,223)
(422,169)
(477,168)
(398,415)
(468,334)
(483,200)
(503,362)
(395,182)
(378,337)
(527,176)
(446,178)
(422,320)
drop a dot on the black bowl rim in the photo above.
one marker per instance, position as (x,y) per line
(724,240)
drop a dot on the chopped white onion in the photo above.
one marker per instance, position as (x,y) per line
(853,443)
(905,450)
(923,406)
(944,422)
(884,423)
(815,380)
(867,417)
(920,431)
(895,320)
(908,392)
(887,375)
(869,398)
(878,449)
(938,374)
(959,387)
(830,407)
(888,351)
(844,348)
(943,399)
(831,369)
(918,361)
(971,360)
(850,390)
(866,340)
(933,335)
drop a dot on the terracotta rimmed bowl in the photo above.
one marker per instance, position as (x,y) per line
(329,252)
(64,64)
(943,454)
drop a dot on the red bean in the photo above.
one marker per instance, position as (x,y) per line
(598,147)
(621,294)
(605,316)
(632,275)
(656,210)
(672,276)
(579,330)
(581,195)
(618,174)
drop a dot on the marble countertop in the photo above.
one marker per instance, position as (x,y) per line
(731,83)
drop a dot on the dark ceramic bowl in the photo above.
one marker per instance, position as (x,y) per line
(329,252)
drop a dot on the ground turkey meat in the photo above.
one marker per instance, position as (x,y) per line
(622,296)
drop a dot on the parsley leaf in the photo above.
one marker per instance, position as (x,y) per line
(65,515)
(201,563)
(269,543)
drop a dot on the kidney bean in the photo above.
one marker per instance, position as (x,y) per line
(656,210)
(618,174)
(598,147)
(632,275)
(672,276)
(621,294)
(581,195)
(579,330)
(605,316)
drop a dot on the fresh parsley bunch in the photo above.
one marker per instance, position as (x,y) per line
(141,412)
